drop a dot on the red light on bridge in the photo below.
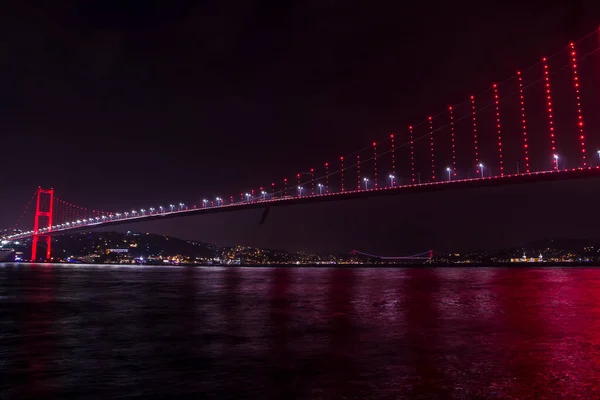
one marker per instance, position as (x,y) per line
(452,136)
(578,99)
(375,165)
(412,154)
(475,142)
(523,121)
(358,172)
(432,148)
(326,177)
(499,129)
(393,154)
(342,172)
(549,109)
(43,209)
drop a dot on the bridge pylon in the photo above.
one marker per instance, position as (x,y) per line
(43,219)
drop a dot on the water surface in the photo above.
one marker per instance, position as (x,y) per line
(299,333)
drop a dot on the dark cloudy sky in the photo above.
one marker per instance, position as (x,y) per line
(134,103)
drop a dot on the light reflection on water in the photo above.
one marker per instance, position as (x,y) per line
(305,333)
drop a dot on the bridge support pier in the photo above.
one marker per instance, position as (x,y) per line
(42,219)
(34,244)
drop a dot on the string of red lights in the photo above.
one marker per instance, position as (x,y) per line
(25,210)
(548,91)
(523,122)
(326,177)
(452,139)
(342,172)
(358,172)
(475,142)
(393,154)
(412,154)
(375,179)
(576,86)
(499,129)
(68,212)
(432,149)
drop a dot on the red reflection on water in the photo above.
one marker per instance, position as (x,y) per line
(521,327)
(313,333)
(280,356)
(343,354)
(424,333)
(39,347)
(544,329)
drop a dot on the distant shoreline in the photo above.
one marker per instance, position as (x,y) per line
(291,265)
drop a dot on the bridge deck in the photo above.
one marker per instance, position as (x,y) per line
(533,177)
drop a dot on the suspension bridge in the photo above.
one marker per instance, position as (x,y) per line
(427,255)
(541,124)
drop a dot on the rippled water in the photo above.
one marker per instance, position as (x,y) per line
(299,333)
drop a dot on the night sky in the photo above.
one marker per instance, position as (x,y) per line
(133,104)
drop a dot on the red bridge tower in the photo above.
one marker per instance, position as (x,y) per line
(43,219)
